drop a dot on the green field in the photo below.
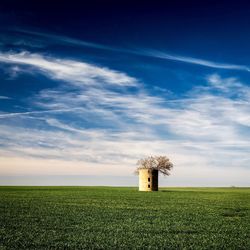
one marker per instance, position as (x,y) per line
(123,218)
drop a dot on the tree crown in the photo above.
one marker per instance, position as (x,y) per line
(160,163)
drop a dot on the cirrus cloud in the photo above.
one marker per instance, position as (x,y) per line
(96,124)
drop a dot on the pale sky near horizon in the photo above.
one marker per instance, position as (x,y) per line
(88,89)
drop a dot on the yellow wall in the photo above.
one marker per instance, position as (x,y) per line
(148,180)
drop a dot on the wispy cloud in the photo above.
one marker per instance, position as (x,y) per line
(136,51)
(192,60)
(37,112)
(4,97)
(66,40)
(99,122)
(78,73)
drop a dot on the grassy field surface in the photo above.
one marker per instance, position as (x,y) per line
(123,218)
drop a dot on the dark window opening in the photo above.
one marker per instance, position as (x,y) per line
(148,186)
(148,179)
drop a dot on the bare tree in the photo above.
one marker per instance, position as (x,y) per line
(160,163)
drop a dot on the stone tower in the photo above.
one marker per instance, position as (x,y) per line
(148,179)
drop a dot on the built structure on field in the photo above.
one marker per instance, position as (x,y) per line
(148,170)
(148,179)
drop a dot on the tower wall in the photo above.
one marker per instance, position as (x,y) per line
(148,180)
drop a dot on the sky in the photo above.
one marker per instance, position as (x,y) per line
(89,88)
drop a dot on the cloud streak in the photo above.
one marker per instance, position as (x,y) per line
(4,97)
(141,52)
(68,40)
(19,114)
(78,73)
(192,60)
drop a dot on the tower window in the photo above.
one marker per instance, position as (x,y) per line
(148,178)
(148,185)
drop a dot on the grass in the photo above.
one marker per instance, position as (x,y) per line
(123,218)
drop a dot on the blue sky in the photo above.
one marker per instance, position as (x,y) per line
(88,89)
